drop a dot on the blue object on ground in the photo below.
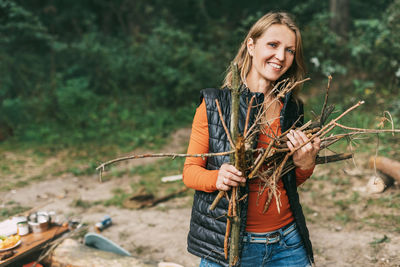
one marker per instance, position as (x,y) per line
(100,242)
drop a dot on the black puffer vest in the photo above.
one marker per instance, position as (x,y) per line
(207,228)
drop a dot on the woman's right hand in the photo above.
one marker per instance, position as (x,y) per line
(228,176)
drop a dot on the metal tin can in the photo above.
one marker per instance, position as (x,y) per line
(23,228)
(106,222)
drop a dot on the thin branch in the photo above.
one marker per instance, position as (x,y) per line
(286,89)
(228,229)
(276,176)
(248,115)
(366,130)
(391,120)
(319,160)
(172,155)
(328,127)
(223,124)
(284,92)
(259,164)
(294,124)
(325,101)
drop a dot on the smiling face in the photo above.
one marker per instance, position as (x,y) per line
(272,55)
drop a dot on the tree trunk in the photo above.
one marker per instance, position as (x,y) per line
(378,184)
(387,166)
(340,17)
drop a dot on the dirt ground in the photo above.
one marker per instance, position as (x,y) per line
(159,233)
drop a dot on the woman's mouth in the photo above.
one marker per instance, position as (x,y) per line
(275,66)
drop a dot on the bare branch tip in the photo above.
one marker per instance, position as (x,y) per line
(99,167)
(101,175)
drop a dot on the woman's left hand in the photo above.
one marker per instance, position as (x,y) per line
(303,158)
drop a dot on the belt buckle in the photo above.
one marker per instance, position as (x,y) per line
(273,238)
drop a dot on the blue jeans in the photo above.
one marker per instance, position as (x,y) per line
(288,252)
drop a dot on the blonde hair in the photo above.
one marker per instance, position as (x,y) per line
(294,73)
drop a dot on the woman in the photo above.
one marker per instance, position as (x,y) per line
(271,51)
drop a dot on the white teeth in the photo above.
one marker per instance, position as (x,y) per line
(275,65)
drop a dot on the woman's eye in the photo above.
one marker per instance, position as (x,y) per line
(272,45)
(291,51)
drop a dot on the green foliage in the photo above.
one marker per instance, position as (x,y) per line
(173,67)
(369,53)
(323,48)
(129,72)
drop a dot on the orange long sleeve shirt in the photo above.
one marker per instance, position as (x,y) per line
(196,176)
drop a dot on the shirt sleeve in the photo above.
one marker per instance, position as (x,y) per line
(195,175)
(303,175)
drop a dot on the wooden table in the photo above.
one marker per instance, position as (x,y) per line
(33,242)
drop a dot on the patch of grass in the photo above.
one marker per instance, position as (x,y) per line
(341,181)
(152,174)
(21,183)
(37,178)
(81,203)
(23,161)
(336,191)
(321,178)
(355,198)
(391,201)
(5,169)
(12,210)
(392,219)
(342,204)
(7,187)
(78,170)
(143,169)
(150,181)
(118,191)
(119,172)
(308,210)
(140,249)
(377,241)
(343,217)
(389,222)
(117,200)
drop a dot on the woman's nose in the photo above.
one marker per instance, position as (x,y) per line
(280,54)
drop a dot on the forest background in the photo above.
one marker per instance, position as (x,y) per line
(129,72)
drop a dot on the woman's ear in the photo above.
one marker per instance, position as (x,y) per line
(250,46)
